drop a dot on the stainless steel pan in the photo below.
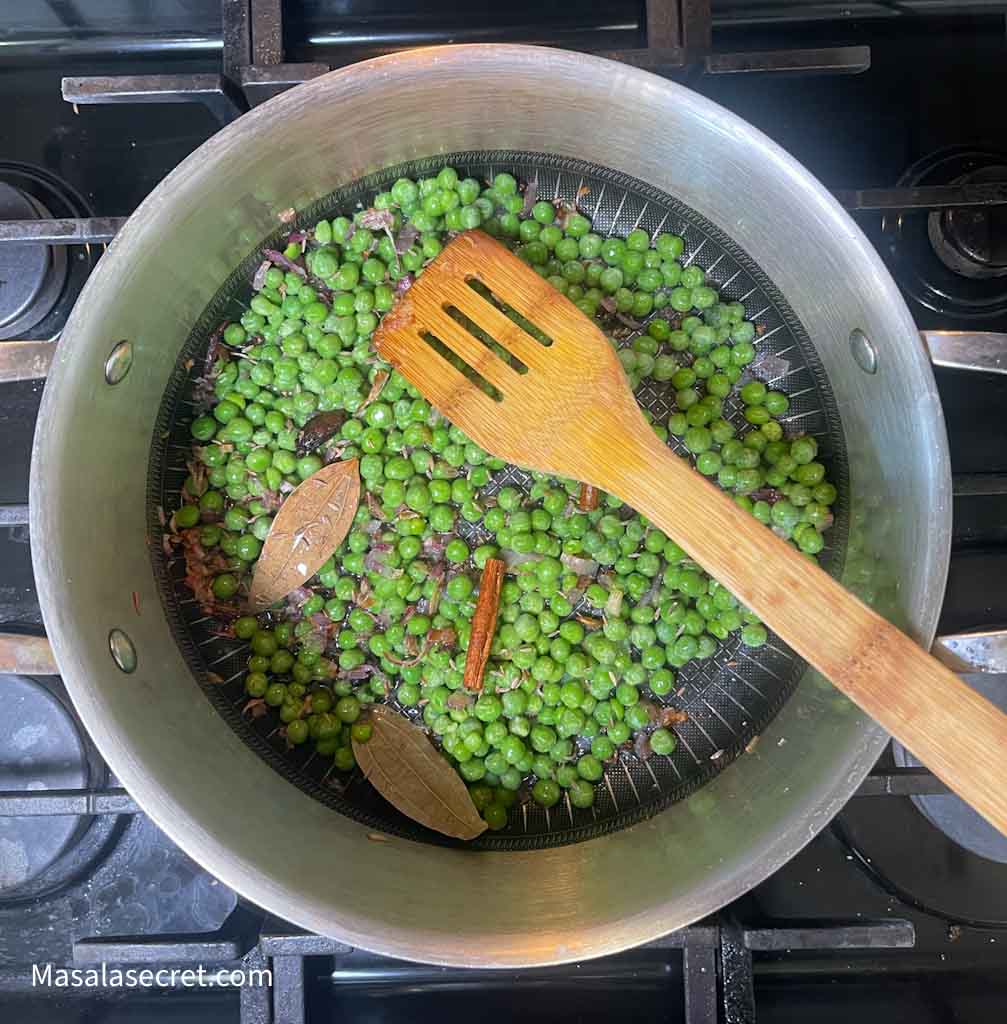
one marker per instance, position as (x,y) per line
(103,607)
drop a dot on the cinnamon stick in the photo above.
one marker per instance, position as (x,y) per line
(587,500)
(483,624)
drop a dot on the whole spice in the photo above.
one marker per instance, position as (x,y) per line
(483,624)
(668,717)
(310,525)
(318,430)
(588,622)
(380,380)
(587,500)
(402,765)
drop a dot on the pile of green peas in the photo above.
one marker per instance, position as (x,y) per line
(576,672)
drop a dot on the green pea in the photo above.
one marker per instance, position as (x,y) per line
(225,586)
(308,465)
(456,551)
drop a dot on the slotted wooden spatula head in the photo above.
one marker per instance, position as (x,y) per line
(508,359)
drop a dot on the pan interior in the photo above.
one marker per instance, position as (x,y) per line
(729,698)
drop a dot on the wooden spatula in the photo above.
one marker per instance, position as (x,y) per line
(561,404)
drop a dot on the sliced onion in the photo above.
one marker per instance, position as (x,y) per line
(512,559)
(648,597)
(259,280)
(374,562)
(459,700)
(581,566)
(434,545)
(376,220)
(405,238)
(530,197)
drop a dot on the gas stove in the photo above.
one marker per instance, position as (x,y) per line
(898,910)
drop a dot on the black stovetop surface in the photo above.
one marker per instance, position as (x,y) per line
(932,85)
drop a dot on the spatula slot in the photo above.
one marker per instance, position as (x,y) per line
(509,311)
(459,364)
(483,336)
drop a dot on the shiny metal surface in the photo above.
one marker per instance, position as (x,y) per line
(984,351)
(26,656)
(64,231)
(865,355)
(119,362)
(973,652)
(925,197)
(215,92)
(840,60)
(25,360)
(13,515)
(123,650)
(210,793)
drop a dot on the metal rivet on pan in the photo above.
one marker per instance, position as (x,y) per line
(864,353)
(123,651)
(120,359)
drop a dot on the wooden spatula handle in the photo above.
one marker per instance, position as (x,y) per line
(958,734)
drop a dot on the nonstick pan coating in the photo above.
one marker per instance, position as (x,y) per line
(729,698)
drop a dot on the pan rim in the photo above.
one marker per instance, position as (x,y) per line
(195,835)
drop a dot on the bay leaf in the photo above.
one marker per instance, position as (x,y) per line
(403,766)
(310,525)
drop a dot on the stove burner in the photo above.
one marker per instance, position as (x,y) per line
(972,241)
(31,276)
(953,261)
(931,852)
(952,815)
(39,283)
(902,851)
(40,749)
